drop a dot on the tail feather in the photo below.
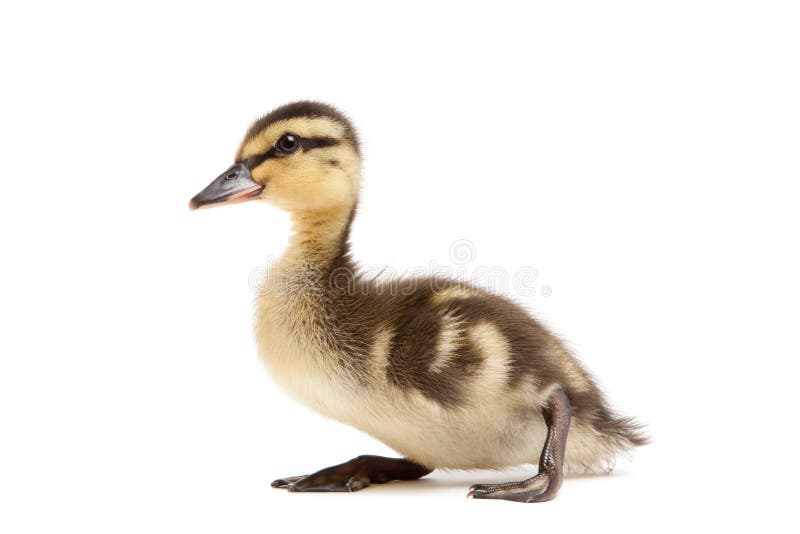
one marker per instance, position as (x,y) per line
(595,442)
(627,432)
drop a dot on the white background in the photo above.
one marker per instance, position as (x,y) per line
(642,157)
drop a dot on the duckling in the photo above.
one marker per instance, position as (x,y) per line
(445,373)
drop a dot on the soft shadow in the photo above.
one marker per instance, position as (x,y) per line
(444,479)
(441,479)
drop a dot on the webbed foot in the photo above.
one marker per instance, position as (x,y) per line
(540,488)
(354,475)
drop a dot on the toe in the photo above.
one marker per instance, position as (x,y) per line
(482,494)
(312,484)
(283,483)
(489,488)
(482,491)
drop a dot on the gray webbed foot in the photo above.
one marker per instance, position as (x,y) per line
(539,488)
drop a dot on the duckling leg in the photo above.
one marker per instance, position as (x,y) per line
(354,475)
(547,482)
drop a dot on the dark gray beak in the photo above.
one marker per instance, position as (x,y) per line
(232,186)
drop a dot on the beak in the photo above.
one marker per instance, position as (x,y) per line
(232,186)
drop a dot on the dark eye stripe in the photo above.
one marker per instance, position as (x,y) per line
(254,161)
(306,144)
(311,143)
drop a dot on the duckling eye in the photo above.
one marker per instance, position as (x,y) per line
(288,143)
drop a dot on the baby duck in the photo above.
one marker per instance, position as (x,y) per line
(447,374)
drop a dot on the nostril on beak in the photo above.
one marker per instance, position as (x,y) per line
(230,176)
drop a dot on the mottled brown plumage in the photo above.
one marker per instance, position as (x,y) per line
(445,373)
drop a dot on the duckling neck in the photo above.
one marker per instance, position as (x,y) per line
(319,237)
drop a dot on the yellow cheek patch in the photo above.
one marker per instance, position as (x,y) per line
(263,171)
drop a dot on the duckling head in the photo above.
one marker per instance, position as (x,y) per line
(301,157)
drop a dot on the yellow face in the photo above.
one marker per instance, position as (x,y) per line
(303,164)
